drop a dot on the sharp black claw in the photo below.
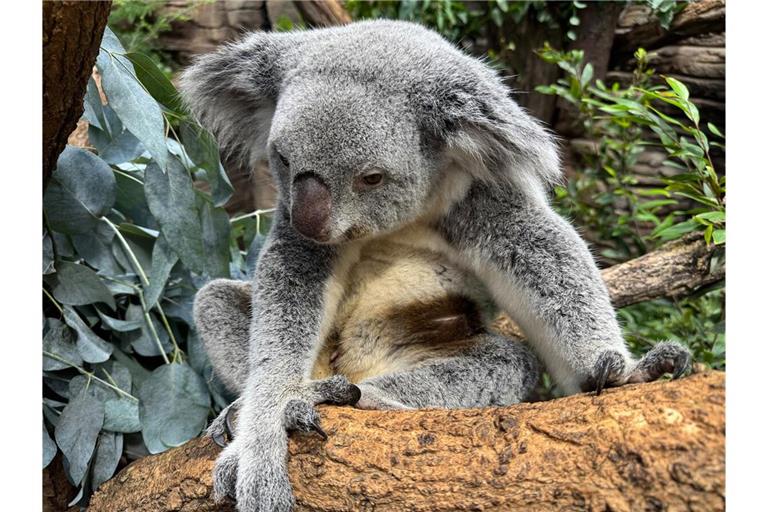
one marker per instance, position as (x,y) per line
(356,394)
(682,363)
(602,377)
(220,440)
(315,425)
(228,423)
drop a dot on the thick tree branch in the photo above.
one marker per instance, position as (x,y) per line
(323,13)
(657,446)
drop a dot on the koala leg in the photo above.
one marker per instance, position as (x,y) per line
(495,371)
(223,317)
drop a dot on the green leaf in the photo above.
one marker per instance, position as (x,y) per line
(123,148)
(109,448)
(122,415)
(138,111)
(714,217)
(193,229)
(679,87)
(586,74)
(78,285)
(163,260)
(144,342)
(118,325)
(49,447)
(80,192)
(156,82)
(77,431)
(714,130)
(96,249)
(204,152)
(174,404)
(718,236)
(59,340)
(131,201)
(92,348)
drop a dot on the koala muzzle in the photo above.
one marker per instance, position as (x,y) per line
(311,207)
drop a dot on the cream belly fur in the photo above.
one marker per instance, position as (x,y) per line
(398,301)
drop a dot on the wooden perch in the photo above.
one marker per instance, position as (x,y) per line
(657,446)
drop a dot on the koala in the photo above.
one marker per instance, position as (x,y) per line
(379,133)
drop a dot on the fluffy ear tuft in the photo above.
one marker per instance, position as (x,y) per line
(233,92)
(489,135)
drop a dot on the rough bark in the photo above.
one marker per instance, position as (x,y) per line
(323,13)
(657,446)
(71,35)
(638,28)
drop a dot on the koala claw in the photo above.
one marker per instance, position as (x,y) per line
(221,429)
(301,416)
(609,369)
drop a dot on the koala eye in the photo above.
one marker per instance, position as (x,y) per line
(283,160)
(372,179)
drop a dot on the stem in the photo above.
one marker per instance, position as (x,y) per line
(167,325)
(127,248)
(126,175)
(90,375)
(152,329)
(50,297)
(256,213)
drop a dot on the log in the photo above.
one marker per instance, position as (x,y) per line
(638,28)
(656,446)
(71,36)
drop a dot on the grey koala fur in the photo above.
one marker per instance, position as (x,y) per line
(453,159)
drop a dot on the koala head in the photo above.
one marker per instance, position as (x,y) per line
(362,124)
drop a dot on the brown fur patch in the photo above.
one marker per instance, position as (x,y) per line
(437,322)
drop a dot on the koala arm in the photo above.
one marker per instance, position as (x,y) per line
(541,272)
(288,293)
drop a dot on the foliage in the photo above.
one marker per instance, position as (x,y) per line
(665,10)
(458,20)
(133,228)
(603,195)
(624,122)
(139,24)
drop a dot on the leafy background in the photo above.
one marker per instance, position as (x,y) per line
(135,225)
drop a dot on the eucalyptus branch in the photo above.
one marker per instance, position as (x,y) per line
(90,375)
(54,301)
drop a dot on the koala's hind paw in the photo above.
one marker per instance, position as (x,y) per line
(609,371)
(664,357)
(225,475)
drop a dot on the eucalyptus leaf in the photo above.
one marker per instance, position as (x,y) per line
(156,82)
(144,342)
(203,150)
(118,325)
(49,447)
(109,448)
(96,249)
(122,415)
(77,431)
(200,238)
(78,285)
(138,111)
(92,348)
(124,148)
(174,404)
(163,260)
(131,201)
(59,340)
(80,192)
(48,256)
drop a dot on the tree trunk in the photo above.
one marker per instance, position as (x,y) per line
(323,13)
(657,446)
(71,35)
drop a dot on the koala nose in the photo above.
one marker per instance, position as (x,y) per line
(311,207)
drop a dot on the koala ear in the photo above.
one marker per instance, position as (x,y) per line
(485,132)
(233,92)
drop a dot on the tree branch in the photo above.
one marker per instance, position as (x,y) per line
(657,446)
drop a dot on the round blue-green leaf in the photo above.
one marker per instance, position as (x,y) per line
(78,285)
(109,448)
(59,340)
(163,260)
(77,431)
(92,348)
(80,192)
(173,408)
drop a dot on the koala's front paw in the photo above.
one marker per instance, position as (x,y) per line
(609,371)
(664,357)
(336,390)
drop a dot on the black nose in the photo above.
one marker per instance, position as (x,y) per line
(310,207)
